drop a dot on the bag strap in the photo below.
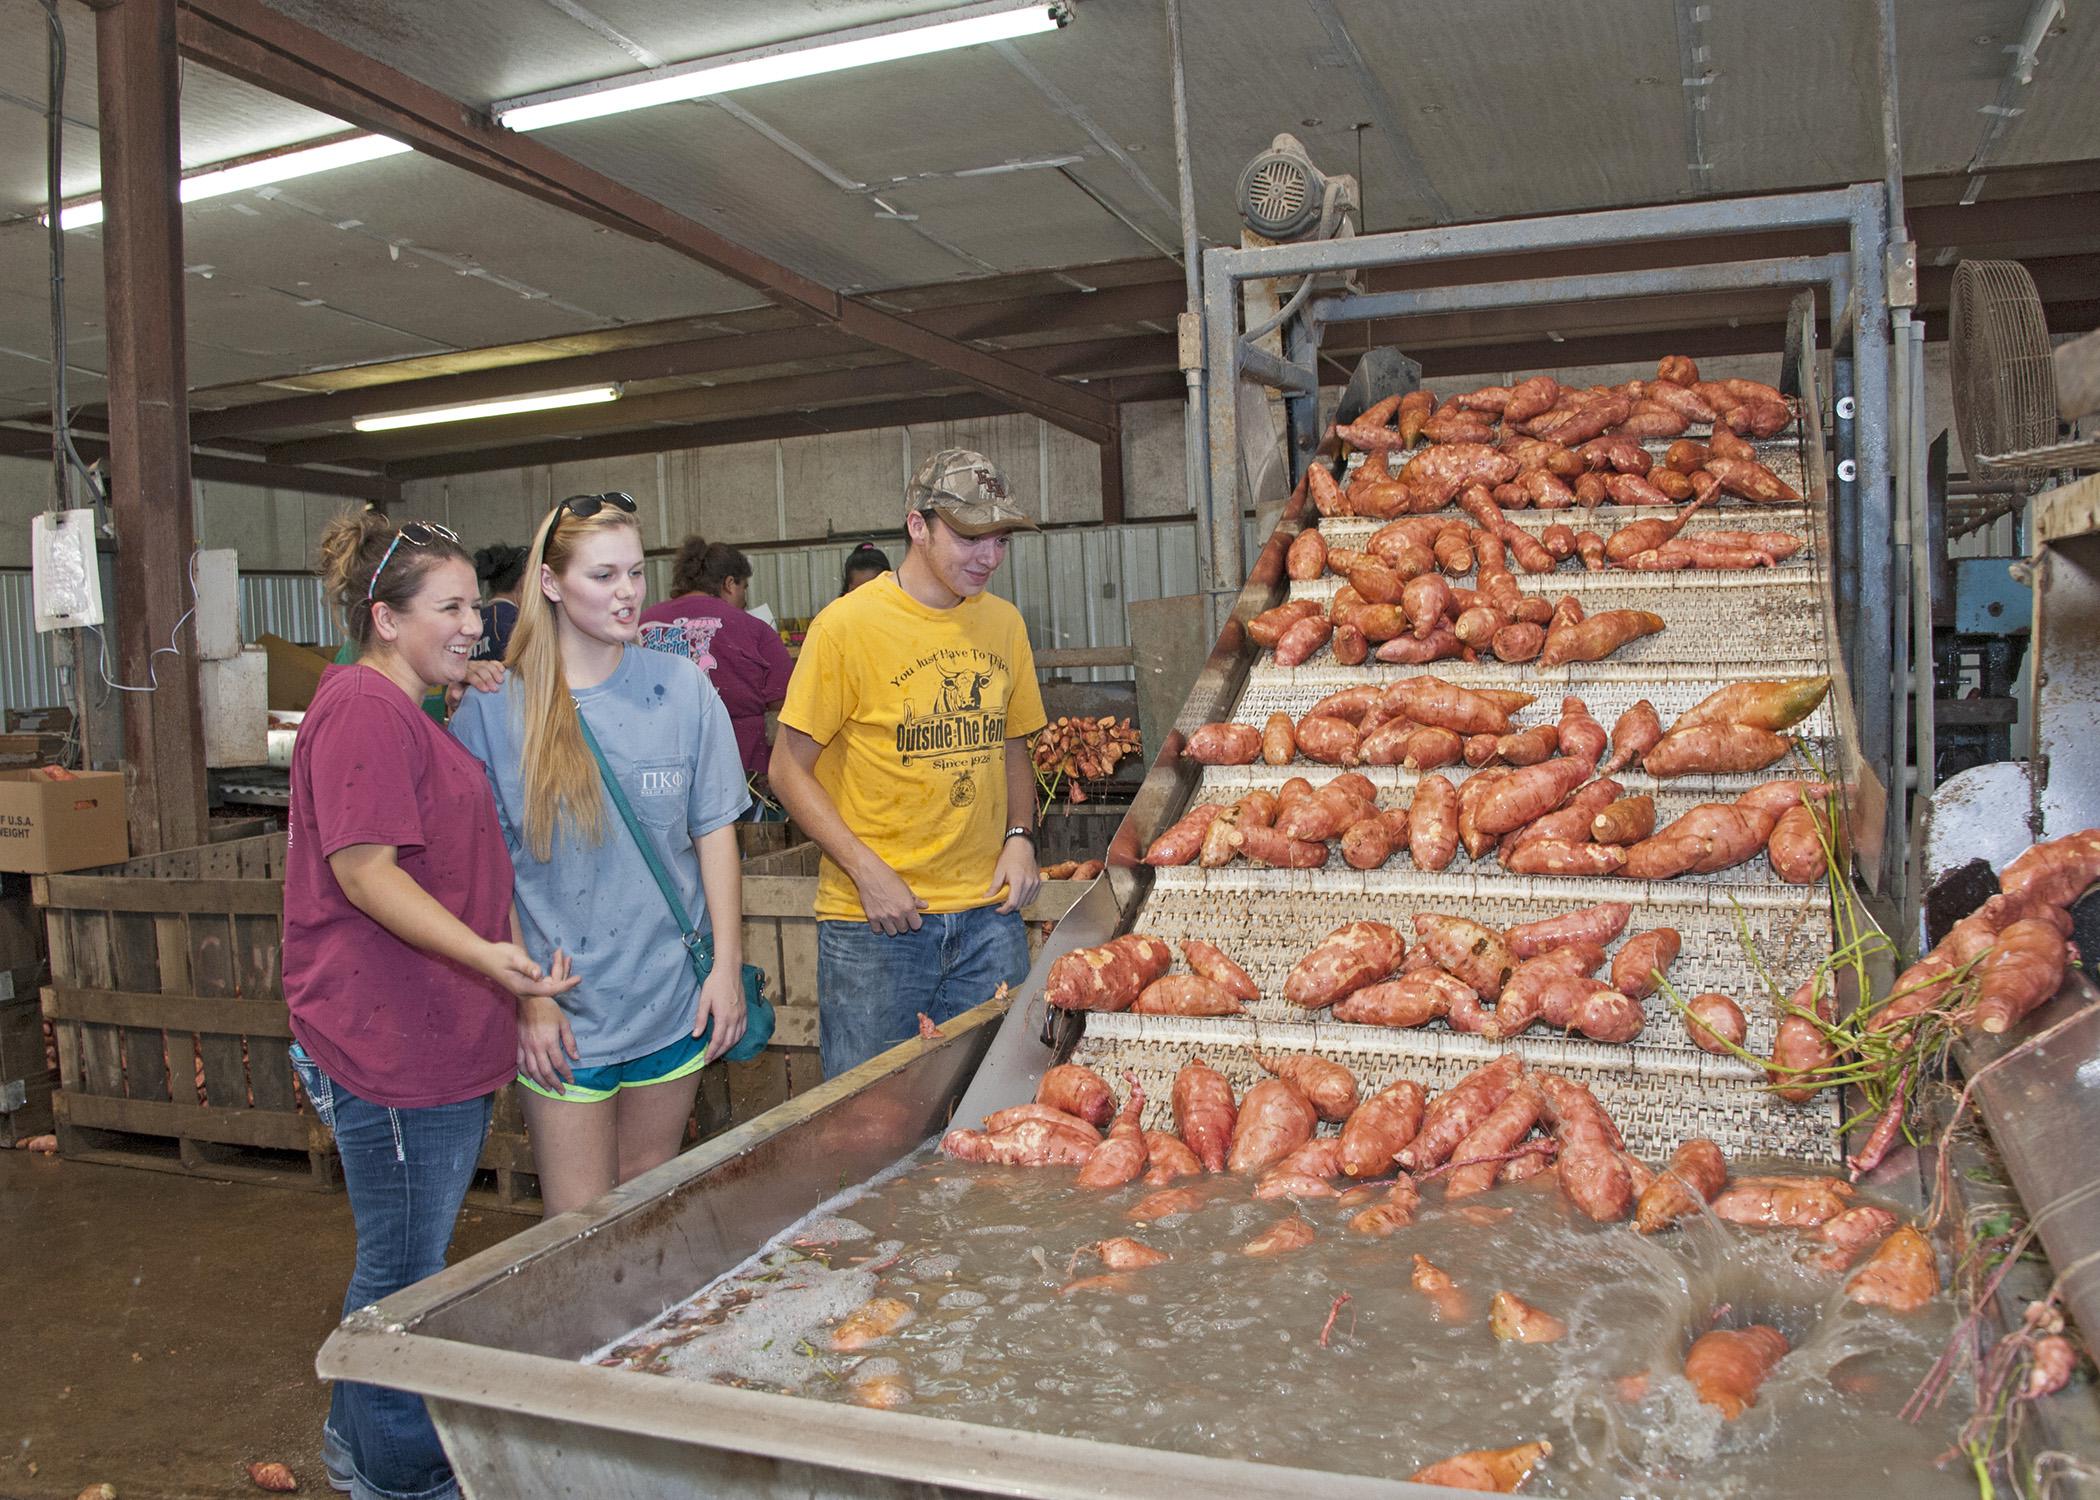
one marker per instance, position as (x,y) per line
(656,865)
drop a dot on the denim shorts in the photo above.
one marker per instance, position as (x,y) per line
(596,1085)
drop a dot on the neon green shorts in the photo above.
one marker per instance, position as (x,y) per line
(596,1085)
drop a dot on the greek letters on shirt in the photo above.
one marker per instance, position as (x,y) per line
(954,710)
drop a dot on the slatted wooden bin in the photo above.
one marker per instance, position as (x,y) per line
(167,1000)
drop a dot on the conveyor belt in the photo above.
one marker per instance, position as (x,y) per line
(1722,627)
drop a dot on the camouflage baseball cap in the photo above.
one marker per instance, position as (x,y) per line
(967,491)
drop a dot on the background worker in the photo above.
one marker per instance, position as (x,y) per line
(864,564)
(903,752)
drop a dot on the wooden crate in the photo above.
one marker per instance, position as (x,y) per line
(26,1079)
(167,1000)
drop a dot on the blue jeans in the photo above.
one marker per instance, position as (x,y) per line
(871,988)
(406,1172)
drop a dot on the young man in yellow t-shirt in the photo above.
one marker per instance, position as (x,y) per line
(903,751)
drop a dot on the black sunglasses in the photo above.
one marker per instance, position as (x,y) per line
(416,533)
(583,507)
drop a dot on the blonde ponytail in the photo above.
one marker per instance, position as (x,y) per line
(560,778)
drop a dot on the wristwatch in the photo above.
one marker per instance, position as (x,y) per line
(1017,831)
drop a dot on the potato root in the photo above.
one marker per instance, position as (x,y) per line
(1476,1161)
(1452,1114)
(2055,872)
(1079,1091)
(1328,1085)
(1633,736)
(1695,1176)
(1720,749)
(1626,821)
(1902,1275)
(1181,842)
(1761,705)
(1715,1023)
(1796,845)
(1393,1213)
(1598,924)
(1224,745)
(1431,1280)
(1281,1238)
(1275,1119)
(1205,1113)
(1169,1158)
(1109,977)
(1782,1202)
(1122,1157)
(1373,1135)
(1414,999)
(1432,838)
(1598,636)
(1474,954)
(1185,995)
(1497,1471)
(1638,969)
(1352,956)
(1211,962)
(1307,557)
(2023,968)
(1302,639)
(1513,1320)
(1006,1119)
(1727,1366)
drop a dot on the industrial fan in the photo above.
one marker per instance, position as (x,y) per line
(1283,196)
(2004,380)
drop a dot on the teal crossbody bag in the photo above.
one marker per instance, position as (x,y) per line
(699,946)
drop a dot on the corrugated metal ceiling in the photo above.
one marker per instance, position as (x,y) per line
(1458,111)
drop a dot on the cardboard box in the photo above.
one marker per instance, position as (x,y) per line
(295,671)
(50,826)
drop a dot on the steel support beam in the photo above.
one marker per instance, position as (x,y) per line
(149,473)
(248,40)
(219,468)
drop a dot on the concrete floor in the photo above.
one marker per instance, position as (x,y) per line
(158,1332)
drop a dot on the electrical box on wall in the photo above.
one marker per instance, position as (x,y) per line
(66,586)
(218,604)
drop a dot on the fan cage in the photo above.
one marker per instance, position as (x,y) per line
(2003,376)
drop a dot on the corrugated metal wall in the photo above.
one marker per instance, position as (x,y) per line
(1070,586)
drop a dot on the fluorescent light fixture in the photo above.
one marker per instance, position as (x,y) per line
(259,172)
(963,26)
(424,416)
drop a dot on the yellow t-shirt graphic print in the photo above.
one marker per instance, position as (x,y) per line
(913,707)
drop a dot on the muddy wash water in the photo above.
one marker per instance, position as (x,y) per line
(1219,1353)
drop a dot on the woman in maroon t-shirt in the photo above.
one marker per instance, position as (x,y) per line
(706,619)
(400,960)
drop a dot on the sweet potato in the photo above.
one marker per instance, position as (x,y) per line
(877,1318)
(1761,705)
(1307,1172)
(1640,965)
(1525,747)
(1320,483)
(1570,822)
(1368,843)
(1431,700)
(1513,1320)
(1185,995)
(1211,962)
(1626,821)
(2023,968)
(1495,1471)
(1393,1214)
(1414,410)
(1279,850)
(1529,793)
(1453,549)
(1302,640)
(1180,843)
(1520,642)
(1696,1174)
(1751,480)
(1329,741)
(1845,1235)
(1799,1050)
(1430,1279)
(1424,601)
(1414,999)
(1224,745)
(1109,977)
(1381,1125)
(1564,857)
(1715,1023)
(1796,845)
(1598,924)
(1169,1157)
(1598,1181)
(1727,1365)
(1275,1119)
(1031,1143)
(1432,838)
(1597,1012)
(1267,628)
(1476,1160)
(1352,956)
(1598,636)
(1279,740)
(1581,736)
(2055,872)
(1006,1119)
(1476,955)
(1330,1086)
(1079,1091)
(1350,645)
(1165,1203)
(1221,841)
(1407,650)
(1901,1276)
(1281,1238)
(1307,558)
(1205,1113)
(1782,1202)
(1325,813)
(1122,1157)
(1633,736)
(1452,1114)
(1720,749)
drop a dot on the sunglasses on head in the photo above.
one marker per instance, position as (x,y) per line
(416,534)
(583,507)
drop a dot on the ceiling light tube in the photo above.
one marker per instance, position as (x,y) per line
(964,26)
(424,416)
(257,172)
